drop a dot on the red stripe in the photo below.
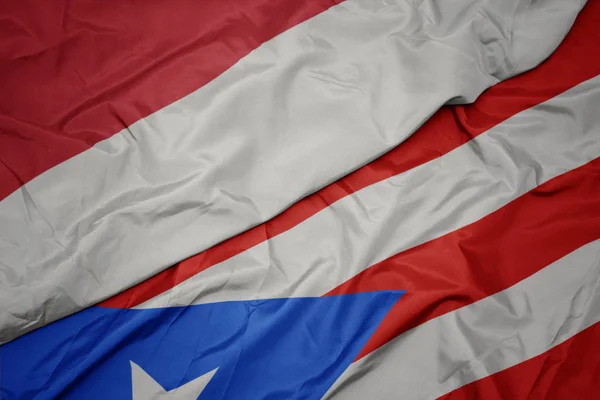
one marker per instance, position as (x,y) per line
(487,256)
(570,370)
(74,73)
(450,128)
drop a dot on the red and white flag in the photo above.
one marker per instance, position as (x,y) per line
(342,236)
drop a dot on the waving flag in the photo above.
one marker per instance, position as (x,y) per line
(463,263)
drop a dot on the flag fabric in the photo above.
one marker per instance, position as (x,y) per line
(460,261)
(90,210)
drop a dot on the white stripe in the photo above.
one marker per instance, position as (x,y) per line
(483,338)
(305,108)
(409,209)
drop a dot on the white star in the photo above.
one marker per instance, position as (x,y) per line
(146,388)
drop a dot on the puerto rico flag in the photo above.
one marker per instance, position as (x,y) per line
(292,199)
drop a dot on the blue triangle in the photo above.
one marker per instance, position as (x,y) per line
(276,348)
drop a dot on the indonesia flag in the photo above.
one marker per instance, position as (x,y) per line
(292,199)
